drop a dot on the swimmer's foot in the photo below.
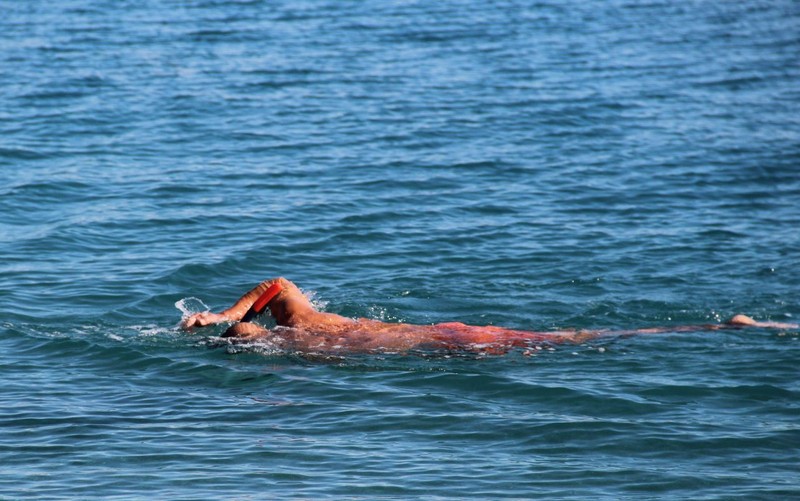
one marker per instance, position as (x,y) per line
(745,321)
(741,320)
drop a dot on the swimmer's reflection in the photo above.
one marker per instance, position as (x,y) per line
(304,329)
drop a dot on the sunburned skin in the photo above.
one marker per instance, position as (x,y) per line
(304,329)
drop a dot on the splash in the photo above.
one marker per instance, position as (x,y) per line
(189,306)
(316,302)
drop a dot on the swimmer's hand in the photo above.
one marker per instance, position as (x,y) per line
(203,319)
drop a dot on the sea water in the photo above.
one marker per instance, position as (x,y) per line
(530,164)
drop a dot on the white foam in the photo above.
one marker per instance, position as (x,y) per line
(150,330)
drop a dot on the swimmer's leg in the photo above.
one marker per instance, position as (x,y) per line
(245,330)
(737,322)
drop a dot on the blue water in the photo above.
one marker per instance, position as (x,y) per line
(600,164)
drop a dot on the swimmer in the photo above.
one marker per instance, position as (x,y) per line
(301,328)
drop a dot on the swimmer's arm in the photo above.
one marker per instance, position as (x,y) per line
(232,314)
(240,307)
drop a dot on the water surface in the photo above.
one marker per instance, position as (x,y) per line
(534,165)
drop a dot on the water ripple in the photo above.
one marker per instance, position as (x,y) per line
(529,164)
